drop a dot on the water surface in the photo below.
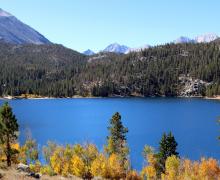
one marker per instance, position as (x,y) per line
(192,121)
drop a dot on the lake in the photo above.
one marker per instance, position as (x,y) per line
(192,121)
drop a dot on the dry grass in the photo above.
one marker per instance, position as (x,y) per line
(13,174)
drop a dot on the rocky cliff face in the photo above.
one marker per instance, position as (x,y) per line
(192,87)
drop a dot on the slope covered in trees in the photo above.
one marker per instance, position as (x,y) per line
(167,70)
(38,69)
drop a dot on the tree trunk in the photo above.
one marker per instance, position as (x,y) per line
(8,152)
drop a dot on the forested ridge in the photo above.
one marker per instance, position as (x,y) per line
(165,70)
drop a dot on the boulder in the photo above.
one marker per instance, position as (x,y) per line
(23,167)
(34,175)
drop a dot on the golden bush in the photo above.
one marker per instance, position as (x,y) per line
(47,170)
(35,167)
(100,167)
(78,167)
(149,172)
(172,168)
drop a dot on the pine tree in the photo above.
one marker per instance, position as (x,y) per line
(117,142)
(8,131)
(168,147)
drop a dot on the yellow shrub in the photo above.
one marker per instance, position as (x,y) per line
(115,166)
(57,160)
(149,172)
(110,168)
(204,170)
(78,167)
(152,161)
(14,146)
(100,167)
(35,167)
(47,170)
(78,150)
(84,155)
(22,158)
(209,169)
(90,153)
(172,167)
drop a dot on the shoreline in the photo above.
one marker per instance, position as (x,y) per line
(213,98)
(92,97)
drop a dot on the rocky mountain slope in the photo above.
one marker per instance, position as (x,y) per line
(14,31)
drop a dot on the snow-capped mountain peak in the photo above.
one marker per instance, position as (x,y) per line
(117,48)
(4,13)
(14,31)
(205,38)
(88,52)
(183,39)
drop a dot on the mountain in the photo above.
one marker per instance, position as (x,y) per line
(138,49)
(116,48)
(88,52)
(14,31)
(55,71)
(49,66)
(205,38)
(183,39)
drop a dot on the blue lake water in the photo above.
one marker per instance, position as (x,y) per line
(192,121)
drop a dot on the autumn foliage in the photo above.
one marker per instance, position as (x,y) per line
(83,161)
(86,161)
(185,169)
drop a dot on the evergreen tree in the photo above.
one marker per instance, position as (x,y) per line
(168,147)
(8,131)
(117,142)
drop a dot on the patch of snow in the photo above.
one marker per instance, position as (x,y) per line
(206,38)
(183,39)
(116,48)
(4,13)
(88,52)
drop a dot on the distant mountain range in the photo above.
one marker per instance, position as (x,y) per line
(123,49)
(117,48)
(205,38)
(16,32)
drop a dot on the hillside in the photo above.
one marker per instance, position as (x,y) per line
(38,69)
(53,70)
(14,31)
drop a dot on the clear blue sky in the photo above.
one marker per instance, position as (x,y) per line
(94,24)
